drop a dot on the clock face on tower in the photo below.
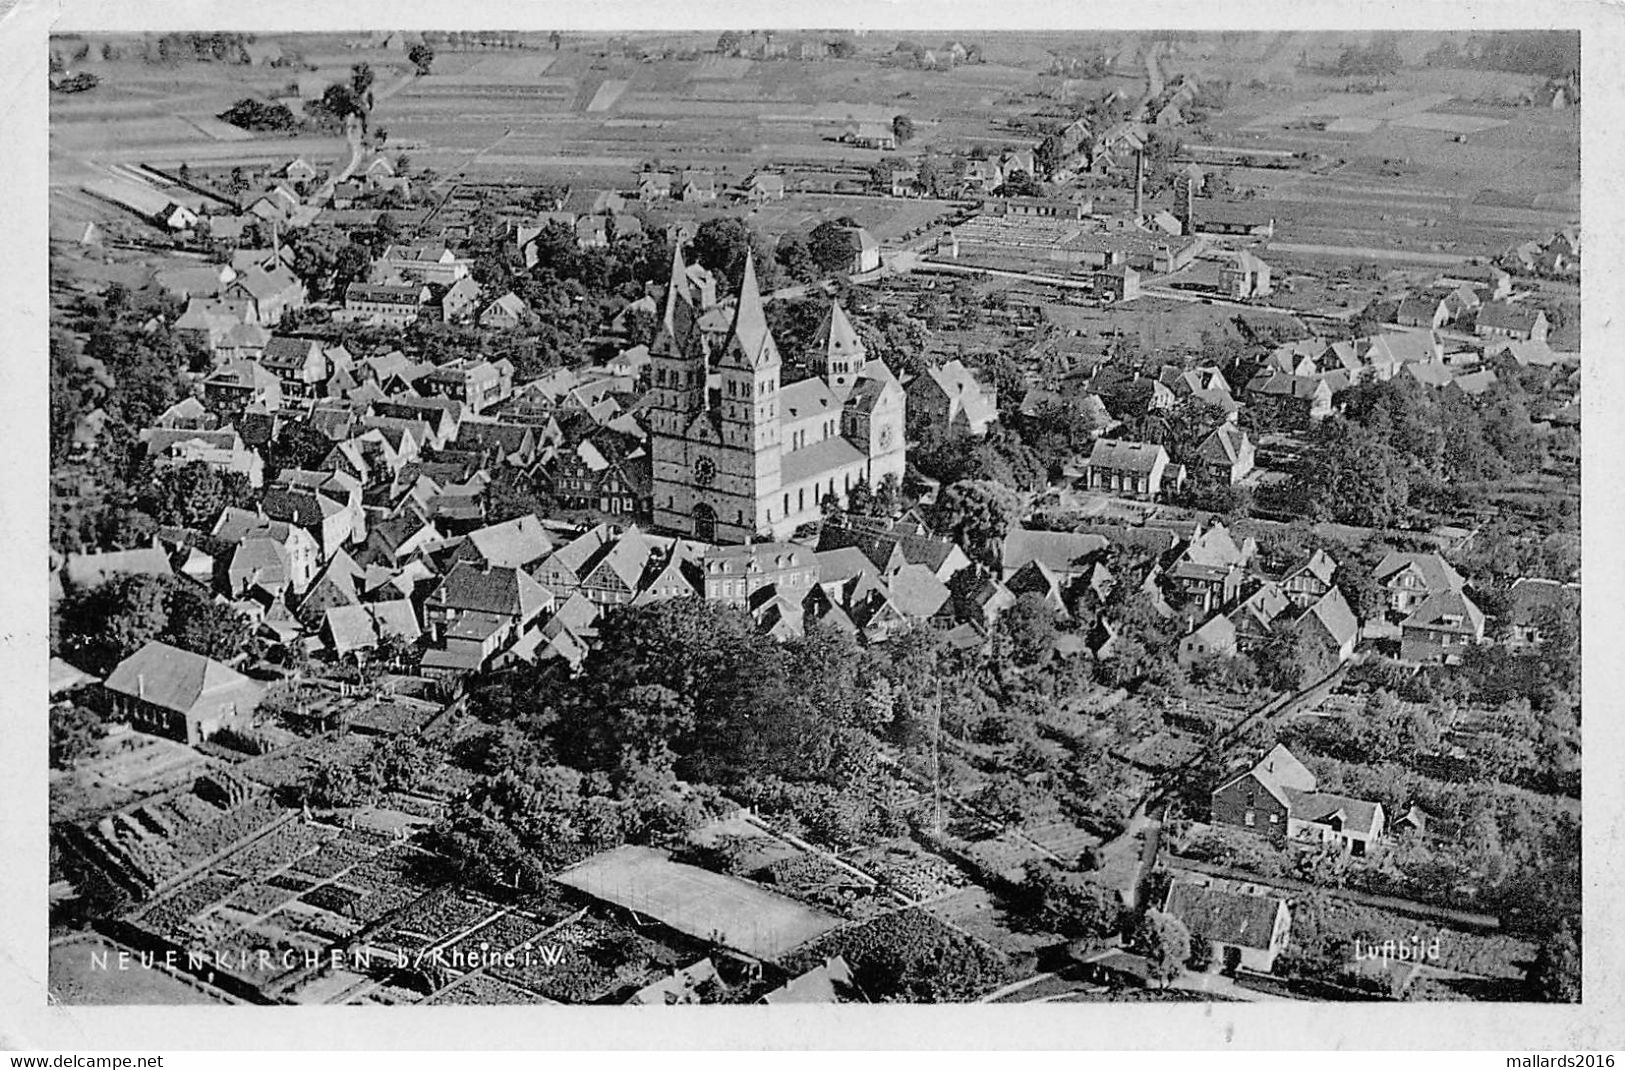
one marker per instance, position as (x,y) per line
(885,437)
(705,471)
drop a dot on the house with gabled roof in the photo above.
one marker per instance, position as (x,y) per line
(1305,584)
(516,543)
(505,313)
(1244,929)
(299,363)
(269,294)
(1035,578)
(1441,628)
(1255,617)
(242,384)
(166,691)
(509,594)
(733,574)
(1276,799)
(1215,637)
(654,185)
(338,584)
(1227,454)
(1130,469)
(1431,310)
(1503,319)
(1067,555)
(698,185)
(1529,602)
(952,399)
(1410,578)
(1296,399)
(352,629)
(1208,572)
(1330,624)
(919,595)
(1244,276)
(764,186)
(327,504)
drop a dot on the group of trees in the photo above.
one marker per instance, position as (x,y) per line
(260,116)
(1379,57)
(1399,446)
(106,362)
(100,626)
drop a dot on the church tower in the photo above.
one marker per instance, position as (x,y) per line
(838,354)
(749,416)
(677,357)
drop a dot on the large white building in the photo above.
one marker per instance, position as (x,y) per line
(736,453)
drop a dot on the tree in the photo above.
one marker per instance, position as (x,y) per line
(1354,477)
(830,246)
(75,731)
(251,114)
(403,763)
(720,246)
(1019,184)
(978,515)
(1030,627)
(795,259)
(421,56)
(728,42)
(361,79)
(1165,942)
(1066,902)
(109,622)
(486,851)
(190,496)
(1555,975)
(1288,660)
(902,128)
(1362,591)
(330,785)
(198,623)
(1201,956)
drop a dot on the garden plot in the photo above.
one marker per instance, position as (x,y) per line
(721,67)
(483,990)
(911,871)
(586,961)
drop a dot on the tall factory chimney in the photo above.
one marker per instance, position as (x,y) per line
(1139,184)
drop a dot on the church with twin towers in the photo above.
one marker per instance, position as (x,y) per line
(736,453)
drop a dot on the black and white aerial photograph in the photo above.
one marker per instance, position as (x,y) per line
(817,517)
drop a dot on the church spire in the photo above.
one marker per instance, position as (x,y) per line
(675,334)
(677,288)
(838,352)
(750,343)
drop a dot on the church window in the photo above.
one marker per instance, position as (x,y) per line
(801,499)
(786,503)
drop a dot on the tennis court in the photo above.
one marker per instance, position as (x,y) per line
(696,902)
